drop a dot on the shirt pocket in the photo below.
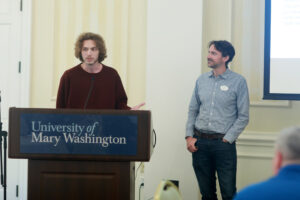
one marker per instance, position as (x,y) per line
(226,98)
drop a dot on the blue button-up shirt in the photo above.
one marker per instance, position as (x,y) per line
(219,104)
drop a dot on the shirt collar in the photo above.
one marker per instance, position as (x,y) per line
(293,169)
(225,75)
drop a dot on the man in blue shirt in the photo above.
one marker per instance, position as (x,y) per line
(218,113)
(286,165)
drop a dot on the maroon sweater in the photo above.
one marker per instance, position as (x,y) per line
(107,89)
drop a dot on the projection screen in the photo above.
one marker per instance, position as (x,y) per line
(282,53)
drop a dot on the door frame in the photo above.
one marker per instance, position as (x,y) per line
(25,58)
(26,26)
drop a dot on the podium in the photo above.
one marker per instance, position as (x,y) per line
(80,154)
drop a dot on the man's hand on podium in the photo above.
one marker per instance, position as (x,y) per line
(137,107)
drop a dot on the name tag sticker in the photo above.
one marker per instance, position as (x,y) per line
(224,88)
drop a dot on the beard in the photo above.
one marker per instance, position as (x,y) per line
(90,62)
(213,65)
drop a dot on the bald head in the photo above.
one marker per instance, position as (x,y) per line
(288,144)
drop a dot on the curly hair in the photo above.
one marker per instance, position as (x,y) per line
(99,44)
(225,48)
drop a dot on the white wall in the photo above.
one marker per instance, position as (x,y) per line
(173,64)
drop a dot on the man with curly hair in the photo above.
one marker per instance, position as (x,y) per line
(91,84)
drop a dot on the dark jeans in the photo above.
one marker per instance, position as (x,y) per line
(215,156)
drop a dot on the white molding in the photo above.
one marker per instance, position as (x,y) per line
(258,139)
(256,156)
(258,136)
(252,143)
(270,103)
(256,145)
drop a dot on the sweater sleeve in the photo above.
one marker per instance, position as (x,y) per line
(121,97)
(62,94)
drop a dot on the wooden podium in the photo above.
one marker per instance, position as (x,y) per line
(80,154)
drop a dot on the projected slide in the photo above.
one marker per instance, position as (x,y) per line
(282,54)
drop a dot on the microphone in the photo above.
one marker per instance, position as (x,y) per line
(89,94)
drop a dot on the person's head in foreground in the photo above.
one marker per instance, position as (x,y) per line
(286,166)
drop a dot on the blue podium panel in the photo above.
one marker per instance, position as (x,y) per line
(75,134)
(93,134)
